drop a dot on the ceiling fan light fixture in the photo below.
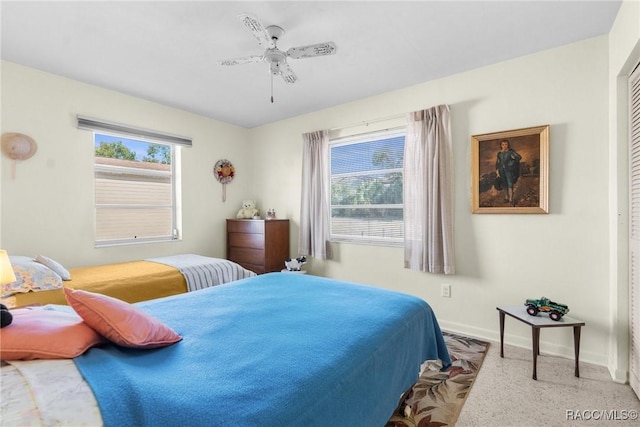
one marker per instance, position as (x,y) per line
(274,56)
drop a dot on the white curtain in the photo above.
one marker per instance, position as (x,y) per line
(313,239)
(428,192)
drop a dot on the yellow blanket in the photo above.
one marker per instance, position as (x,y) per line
(129,281)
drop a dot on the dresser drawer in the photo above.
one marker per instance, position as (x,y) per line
(247,255)
(246,226)
(246,240)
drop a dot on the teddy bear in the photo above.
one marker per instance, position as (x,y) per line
(248,210)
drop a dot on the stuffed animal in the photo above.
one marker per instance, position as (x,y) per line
(5,316)
(248,210)
(295,264)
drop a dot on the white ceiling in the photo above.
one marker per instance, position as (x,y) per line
(167,51)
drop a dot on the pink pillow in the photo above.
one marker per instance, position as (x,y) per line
(119,321)
(36,333)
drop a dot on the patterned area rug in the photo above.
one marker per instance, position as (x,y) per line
(437,398)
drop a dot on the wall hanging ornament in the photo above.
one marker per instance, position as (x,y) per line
(18,146)
(224,173)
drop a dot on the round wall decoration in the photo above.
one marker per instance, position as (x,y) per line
(224,173)
(18,146)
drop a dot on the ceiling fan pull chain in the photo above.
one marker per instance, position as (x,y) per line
(271,88)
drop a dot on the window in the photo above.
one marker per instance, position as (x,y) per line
(366,188)
(134,190)
(137,183)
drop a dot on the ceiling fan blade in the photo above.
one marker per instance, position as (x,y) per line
(286,73)
(320,49)
(257,30)
(241,60)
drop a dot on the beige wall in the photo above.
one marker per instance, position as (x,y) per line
(501,259)
(48,207)
(572,254)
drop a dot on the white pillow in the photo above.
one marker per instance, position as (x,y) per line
(55,266)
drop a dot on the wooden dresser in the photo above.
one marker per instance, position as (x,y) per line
(258,245)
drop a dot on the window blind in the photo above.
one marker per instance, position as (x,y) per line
(97,125)
(366,188)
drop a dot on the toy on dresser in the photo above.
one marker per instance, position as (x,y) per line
(248,210)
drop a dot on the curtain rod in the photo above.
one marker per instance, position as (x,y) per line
(382,119)
(368,122)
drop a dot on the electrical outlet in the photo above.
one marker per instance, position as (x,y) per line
(445,290)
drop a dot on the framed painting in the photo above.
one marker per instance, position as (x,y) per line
(510,171)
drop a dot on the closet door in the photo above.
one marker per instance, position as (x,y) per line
(634,230)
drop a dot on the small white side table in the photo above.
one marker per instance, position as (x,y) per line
(538,322)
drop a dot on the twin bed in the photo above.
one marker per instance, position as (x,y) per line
(129,281)
(277,349)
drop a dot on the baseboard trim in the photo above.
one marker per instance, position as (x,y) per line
(546,347)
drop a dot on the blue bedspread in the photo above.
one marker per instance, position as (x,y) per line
(279,349)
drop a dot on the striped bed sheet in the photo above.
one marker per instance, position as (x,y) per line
(202,272)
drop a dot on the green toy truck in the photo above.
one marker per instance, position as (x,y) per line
(544,304)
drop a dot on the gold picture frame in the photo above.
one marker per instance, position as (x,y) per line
(523,185)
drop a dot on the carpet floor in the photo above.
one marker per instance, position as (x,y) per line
(437,398)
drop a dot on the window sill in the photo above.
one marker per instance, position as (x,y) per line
(367,242)
(132,242)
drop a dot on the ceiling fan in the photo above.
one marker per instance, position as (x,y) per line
(276,58)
